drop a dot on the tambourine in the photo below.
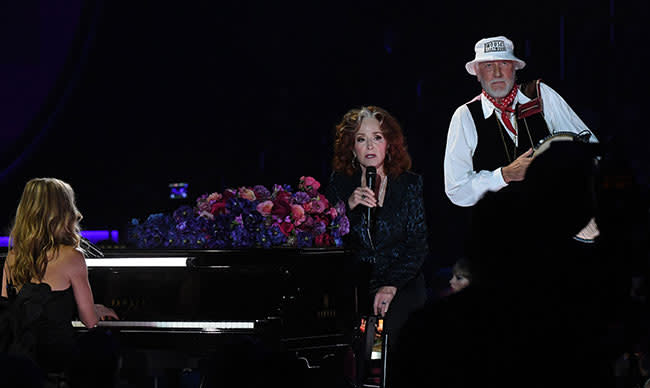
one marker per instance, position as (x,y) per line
(545,143)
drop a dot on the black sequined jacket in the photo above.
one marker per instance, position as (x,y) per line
(399,239)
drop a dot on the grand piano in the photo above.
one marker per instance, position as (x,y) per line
(180,308)
(177,307)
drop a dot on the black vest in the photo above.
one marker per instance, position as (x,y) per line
(498,211)
(495,148)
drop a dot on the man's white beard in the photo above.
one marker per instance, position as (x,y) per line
(498,93)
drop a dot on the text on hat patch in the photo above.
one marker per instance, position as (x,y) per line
(494,45)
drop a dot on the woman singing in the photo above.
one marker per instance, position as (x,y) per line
(392,242)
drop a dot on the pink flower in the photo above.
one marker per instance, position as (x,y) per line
(214,197)
(319,204)
(204,203)
(307,224)
(246,193)
(309,184)
(297,214)
(264,208)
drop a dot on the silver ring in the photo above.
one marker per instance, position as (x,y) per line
(363,196)
(383,302)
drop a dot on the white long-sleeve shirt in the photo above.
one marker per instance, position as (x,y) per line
(463,185)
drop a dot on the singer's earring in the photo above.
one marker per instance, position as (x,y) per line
(388,156)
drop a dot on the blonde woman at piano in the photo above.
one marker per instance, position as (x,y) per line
(45,279)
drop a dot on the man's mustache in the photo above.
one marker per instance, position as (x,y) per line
(498,80)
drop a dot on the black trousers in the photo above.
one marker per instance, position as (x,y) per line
(408,299)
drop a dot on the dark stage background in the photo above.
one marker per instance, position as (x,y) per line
(121,98)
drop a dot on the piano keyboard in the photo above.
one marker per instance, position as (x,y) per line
(205,326)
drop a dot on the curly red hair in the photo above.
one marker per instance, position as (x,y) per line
(397,158)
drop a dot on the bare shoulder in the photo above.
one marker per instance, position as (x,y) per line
(72,257)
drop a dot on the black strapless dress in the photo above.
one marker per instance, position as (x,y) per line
(39,323)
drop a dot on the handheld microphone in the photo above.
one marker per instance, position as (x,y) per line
(371,177)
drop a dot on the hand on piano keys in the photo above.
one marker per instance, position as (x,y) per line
(105,313)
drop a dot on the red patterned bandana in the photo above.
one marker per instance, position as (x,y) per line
(505,107)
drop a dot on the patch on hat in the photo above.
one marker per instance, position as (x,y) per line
(494,45)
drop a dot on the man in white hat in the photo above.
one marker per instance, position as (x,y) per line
(511,119)
(524,212)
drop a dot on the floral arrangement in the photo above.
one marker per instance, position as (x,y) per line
(248,217)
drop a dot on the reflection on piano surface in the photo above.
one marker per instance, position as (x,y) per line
(306,290)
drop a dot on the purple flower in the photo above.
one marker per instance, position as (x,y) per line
(276,190)
(241,238)
(301,197)
(252,220)
(197,241)
(238,206)
(172,240)
(344,223)
(152,233)
(340,226)
(261,193)
(182,213)
(304,240)
(280,188)
(218,243)
(262,238)
(276,236)
(319,228)
(340,207)
(232,220)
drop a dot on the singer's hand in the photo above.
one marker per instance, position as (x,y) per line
(362,196)
(383,297)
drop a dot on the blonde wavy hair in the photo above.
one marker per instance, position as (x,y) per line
(46,218)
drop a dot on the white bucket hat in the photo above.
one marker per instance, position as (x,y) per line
(494,49)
